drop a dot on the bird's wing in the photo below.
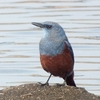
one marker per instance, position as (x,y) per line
(70,49)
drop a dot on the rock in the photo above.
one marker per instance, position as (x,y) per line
(38,92)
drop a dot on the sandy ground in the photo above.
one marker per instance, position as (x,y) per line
(38,92)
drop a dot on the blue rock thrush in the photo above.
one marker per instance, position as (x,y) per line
(56,53)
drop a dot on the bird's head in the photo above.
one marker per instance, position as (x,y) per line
(51,29)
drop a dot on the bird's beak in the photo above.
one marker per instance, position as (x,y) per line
(38,24)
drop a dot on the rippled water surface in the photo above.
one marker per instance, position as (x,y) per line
(19,54)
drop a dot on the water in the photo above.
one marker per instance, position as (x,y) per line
(19,54)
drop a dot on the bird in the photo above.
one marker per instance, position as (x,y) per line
(56,53)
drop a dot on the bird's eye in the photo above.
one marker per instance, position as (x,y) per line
(48,26)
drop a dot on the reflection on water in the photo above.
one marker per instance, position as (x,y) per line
(19,55)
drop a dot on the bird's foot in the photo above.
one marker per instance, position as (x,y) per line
(45,84)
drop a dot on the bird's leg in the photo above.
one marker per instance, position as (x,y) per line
(47,82)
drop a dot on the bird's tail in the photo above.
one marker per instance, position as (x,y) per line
(70,80)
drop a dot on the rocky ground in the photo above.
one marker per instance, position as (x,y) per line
(38,92)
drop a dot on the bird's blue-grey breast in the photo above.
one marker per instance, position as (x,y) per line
(53,40)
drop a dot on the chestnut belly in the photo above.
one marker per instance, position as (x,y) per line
(59,65)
